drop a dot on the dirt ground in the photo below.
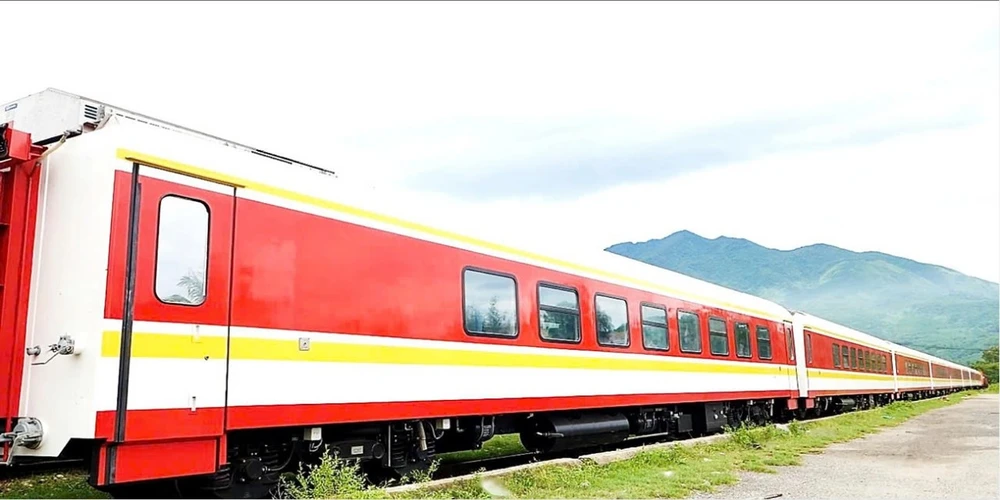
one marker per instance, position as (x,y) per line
(953,452)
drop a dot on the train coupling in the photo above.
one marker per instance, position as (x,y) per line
(27,433)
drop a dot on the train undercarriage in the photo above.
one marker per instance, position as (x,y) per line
(391,451)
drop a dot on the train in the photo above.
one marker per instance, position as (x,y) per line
(178,307)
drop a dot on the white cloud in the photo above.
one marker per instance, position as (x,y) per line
(899,102)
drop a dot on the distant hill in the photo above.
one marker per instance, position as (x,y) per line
(919,305)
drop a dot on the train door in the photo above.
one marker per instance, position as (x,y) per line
(790,355)
(173,348)
(799,379)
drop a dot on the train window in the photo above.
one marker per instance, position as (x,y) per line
(885,364)
(742,340)
(558,314)
(809,348)
(612,321)
(854,359)
(182,251)
(866,362)
(690,331)
(846,361)
(654,328)
(718,337)
(763,343)
(836,356)
(789,344)
(489,301)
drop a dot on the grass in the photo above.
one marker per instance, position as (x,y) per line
(673,472)
(56,484)
(507,444)
(679,471)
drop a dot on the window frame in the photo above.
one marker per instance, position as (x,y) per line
(770,345)
(725,334)
(854,358)
(628,322)
(845,361)
(836,355)
(517,310)
(156,247)
(736,343)
(578,312)
(680,336)
(665,325)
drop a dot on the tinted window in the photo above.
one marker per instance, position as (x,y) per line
(182,251)
(836,356)
(763,343)
(654,328)
(742,340)
(790,343)
(854,358)
(559,314)
(690,331)
(612,321)
(490,303)
(845,358)
(718,337)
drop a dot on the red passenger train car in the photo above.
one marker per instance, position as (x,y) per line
(182,308)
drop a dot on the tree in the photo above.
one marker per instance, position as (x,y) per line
(496,321)
(989,364)
(194,283)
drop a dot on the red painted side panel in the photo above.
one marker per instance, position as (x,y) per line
(18,209)
(823,354)
(145,425)
(143,461)
(215,309)
(297,271)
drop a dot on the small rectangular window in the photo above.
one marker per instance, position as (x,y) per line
(718,337)
(763,343)
(836,356)
(654,328)
(866,362)
(846,359)
(742,340)
(885,364)
(854,359)
(558,314)
(690,331)
(809,348)
(182,251)
(789,344)
(612,321)
(490,303)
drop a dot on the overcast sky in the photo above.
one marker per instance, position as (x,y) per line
(870,126)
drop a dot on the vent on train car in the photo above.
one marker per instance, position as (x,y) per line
(91,112)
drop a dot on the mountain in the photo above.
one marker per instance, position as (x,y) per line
(927,307)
